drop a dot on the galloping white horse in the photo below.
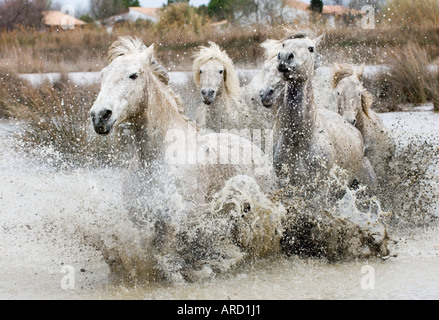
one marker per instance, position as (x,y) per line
(272,91)
(251,91)
(354,102)
(223,106)
(312,141)
(272,83)
(134,89)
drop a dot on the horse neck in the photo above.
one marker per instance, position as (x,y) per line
(161,114)
(222,110)
(296,118)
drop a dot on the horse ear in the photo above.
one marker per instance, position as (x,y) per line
(318,40)
(360,71)
(151,49)
(148,53)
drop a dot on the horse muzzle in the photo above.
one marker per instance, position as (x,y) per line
(267,97)
(102,121)
(286,64)
(208,96)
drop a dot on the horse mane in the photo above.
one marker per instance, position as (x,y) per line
(271,48)
(342,71)
(205,54)
(297,33)
(366,102)
(345,70)
(127,45)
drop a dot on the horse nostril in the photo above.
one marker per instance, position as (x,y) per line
(211,92)
(354,122)
(290,56)
(93,115)
(270,92)
(203,92)
(106,115)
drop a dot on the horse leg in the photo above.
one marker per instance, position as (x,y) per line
(367,175)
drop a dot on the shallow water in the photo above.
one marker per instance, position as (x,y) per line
(41,209)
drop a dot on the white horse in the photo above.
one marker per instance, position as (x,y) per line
(223,106)
(251,91)
(272,91)
(354,102)
(272,83)
(311,140)
(134,89)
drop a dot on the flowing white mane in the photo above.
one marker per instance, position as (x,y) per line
(125,45)
(128,45)
(297,33)
(271,48)
(344,71)
(205,54)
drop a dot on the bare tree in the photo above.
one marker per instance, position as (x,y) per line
(101,9)
(14,13)
(269,11)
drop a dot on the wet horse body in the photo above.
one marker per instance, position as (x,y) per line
(223,107)
(172,180)
(312,141)
(133,90)
(354,104)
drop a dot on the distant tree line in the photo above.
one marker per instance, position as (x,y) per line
(22,12)
(29,13)
(101,9)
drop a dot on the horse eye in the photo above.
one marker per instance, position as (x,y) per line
(311,49)
(201,71)
(283,45)
(221,72)
(134,76)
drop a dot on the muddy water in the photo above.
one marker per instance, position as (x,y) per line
(42,255)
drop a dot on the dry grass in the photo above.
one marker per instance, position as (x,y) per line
(181,30)
(409,79)
(56,117)
(411,12)
(85,49)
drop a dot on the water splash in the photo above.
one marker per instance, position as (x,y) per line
(167,238)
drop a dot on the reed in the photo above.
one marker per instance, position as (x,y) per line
(56,118)
(411,12)
(410,78)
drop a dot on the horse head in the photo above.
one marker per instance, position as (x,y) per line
(350,96)
(214,73)
(298,56)
(123,84)
(273,86)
